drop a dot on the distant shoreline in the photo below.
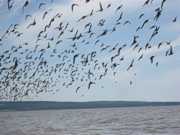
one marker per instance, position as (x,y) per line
(45,105)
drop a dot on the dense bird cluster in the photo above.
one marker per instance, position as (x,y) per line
(74,53)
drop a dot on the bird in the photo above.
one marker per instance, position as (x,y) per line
(15,64)
(131,65)
(73,6)
(175,19)
(25,5)
(118,53)
(101,7)
(31,24)
(91,13)
(158,13)
(127,22)
(146,2)
(157,64)
(140,57)
(119,7)
(152,59)
(155,32)
(10,4)
(135,40)
(82,18)
(141,15)
(120,17)
(138,28)
(130,82)
(101,22)
(171,51)
(77,89)
(145,22)
(87,1)
(41,5)
(108,6)
(162,3)
(103,33)
(90,83)
(74,58)
(160,44)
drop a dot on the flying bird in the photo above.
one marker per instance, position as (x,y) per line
(119,7)
(131,65)
(31,24)
(174,20)
(73,6)
(41,5)
(162,3)
(152,59)
(90,83)
(146,2)
(10,4)
(77,89)
(87,1)
(141,15)
(25,5)
(101,7)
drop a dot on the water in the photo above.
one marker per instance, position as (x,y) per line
(109,121)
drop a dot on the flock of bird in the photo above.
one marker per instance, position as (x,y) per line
(71,55)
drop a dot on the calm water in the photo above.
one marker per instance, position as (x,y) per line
(111,121)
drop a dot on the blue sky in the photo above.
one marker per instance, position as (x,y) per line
(150,83)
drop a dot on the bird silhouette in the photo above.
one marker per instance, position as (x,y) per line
(25,5)
(73,6)
(152,59)
(131,65)
(31,24)
(146,2)
(100,7)
(41,5)
(174,20)
(10,4)
(90,83)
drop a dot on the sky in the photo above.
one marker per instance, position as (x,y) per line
(150,83)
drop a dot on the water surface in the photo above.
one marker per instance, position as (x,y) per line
(109,121)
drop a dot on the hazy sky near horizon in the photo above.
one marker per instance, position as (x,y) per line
(150,83)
